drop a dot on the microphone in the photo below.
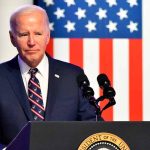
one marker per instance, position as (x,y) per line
(88,92)
(103,81)
(83,81)
(84,84)
(108,91)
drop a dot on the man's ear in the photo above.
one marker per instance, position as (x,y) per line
(48,37)
(13,41)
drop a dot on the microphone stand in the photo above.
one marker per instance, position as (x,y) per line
(89,94)
(107,94)
(109,104)
(93,102)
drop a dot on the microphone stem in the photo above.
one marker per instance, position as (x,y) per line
(93,102)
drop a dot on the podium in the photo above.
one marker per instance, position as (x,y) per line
(71,135)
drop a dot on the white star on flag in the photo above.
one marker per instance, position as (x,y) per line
(80,13)
(70,26)
(112,26)
(91,26)
(49,2)
(101,13)
(111,2)
(132,26)
(90,2)
(51,26)
(122,14)
(59,13)
(132,2)
(69,2)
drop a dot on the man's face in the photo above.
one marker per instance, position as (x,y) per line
(30,37)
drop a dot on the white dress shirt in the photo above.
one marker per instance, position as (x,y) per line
(42,75)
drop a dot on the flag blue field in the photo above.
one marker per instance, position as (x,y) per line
(94,18)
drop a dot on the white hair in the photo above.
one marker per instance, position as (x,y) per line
(26,9)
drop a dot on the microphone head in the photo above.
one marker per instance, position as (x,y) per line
(88,92)
(83,81)
(109,92)
(103,81)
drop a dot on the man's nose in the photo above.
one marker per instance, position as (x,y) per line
(31,41)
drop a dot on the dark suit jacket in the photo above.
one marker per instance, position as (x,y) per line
(64,101)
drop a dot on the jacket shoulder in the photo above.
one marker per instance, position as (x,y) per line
(9,65)
(65,66)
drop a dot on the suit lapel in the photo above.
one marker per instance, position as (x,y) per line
(15,79)
(51,97)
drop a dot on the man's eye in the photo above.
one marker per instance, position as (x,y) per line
(38,33)
(23,34)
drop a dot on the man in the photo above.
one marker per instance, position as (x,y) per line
(57,95)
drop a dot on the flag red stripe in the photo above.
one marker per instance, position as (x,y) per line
(76,52)
(135,79)
(49,48)
(106,66)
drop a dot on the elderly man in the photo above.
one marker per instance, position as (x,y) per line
(35,86)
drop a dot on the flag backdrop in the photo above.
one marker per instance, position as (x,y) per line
(102,37)
(106,36)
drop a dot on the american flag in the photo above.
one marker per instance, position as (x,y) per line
(102,36)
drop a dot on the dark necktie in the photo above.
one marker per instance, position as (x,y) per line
(35,96)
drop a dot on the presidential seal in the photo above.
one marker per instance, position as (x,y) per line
(103,141)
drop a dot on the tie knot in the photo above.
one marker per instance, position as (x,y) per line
(33,71)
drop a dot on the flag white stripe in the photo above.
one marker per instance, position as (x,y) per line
(91,61)
(146,61)
(61,49)
(121,79)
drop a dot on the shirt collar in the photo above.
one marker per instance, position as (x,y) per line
(24,68)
